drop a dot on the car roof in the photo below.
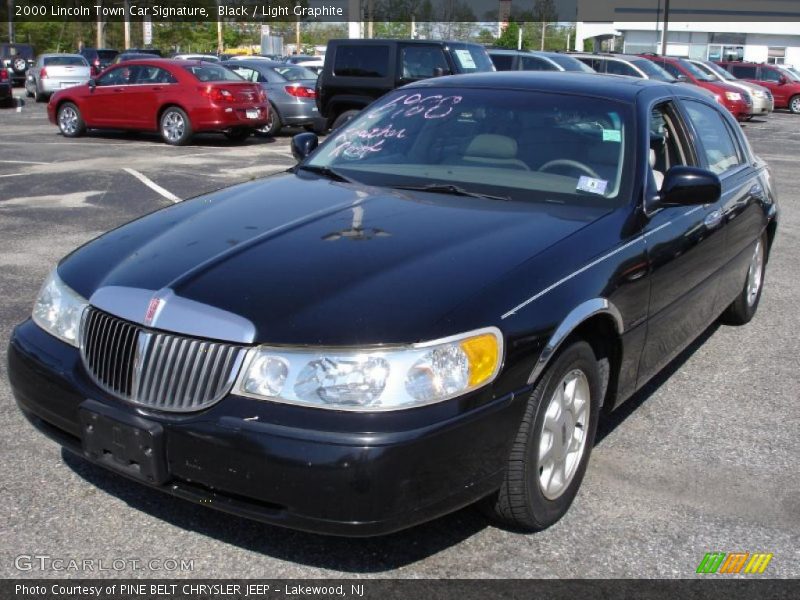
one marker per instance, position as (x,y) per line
(610,55)
(50,54)
(403,41)
(617,87)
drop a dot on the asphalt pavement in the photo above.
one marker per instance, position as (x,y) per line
(703,460)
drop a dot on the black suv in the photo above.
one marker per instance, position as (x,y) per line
(16,58)
(356,72)
(99,58)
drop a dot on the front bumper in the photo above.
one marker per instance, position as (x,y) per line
(316,470)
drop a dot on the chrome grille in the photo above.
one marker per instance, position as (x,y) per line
(160,370)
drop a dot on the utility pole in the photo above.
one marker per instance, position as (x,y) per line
(666,29)
(544,28)
(127,24)
(297,37)
(10,21)
(658,16)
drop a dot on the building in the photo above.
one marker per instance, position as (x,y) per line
(773,42)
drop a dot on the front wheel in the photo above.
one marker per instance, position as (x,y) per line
(344,118)
(70,121)
(743,309)
(553,444)
(794,104)
(175,126)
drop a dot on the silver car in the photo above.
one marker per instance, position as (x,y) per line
(763,102)
(290,91)
(53,72)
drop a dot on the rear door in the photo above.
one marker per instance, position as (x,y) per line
(151,85)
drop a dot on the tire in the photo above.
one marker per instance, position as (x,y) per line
(273,128)
(238,135)
(794,104)
(175,127)
(344,118)
(744,308)
(28,93)
(70,121)
(532,497)
(39,96)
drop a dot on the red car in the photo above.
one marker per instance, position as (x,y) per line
(736,100)
(783,83)
(174,97)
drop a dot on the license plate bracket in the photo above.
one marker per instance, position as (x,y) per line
(125,443)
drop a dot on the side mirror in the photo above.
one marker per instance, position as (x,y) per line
(304,144)
(689,186)
(92,84)
(438,71)
(783,80)
(682,77)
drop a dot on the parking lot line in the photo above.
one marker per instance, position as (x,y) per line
(24,162)
(13,174)
(153,185)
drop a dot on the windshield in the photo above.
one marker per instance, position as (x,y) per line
(530,146)
(570,64)
(211,72)
(470,58)
(291,73)
(65,61)
(696,71)
(653,71)
(716,70)
(791,75)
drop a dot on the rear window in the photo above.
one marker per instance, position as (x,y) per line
(361,61)
(470,58)
(209,72)
(65,61)
(653,71)
(107,54)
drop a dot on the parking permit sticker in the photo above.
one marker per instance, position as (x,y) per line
(592,185)
(612,135)
(465,58)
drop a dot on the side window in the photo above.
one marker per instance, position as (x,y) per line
(666,146)
(361,61)
(770,75)
(419,62)
(743,72)
(117,76)
(615,67)
(502,62)
(720,148)
(149,75)
(533,63)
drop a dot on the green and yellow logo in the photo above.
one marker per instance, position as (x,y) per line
(734,562)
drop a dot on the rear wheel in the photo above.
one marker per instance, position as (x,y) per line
(274,124)
(175,126)
(743,309)
(39,96)
(553,444)
(238,134)
(344,118)
(794,104)
(70,121)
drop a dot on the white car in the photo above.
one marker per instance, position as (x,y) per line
(203,57)
(53,72)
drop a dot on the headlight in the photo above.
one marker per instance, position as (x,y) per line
(759,94)
(733,96)
(373,379)
(58,310)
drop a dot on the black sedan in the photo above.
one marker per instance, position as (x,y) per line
(431,309)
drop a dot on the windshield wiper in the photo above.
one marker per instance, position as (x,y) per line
(449,188)
(325,172)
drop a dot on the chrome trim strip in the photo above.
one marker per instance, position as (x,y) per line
(175,314)
(577,315)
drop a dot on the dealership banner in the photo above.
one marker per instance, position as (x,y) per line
(265,11)
(381,589)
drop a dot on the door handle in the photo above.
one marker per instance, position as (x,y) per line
(118,90)
(157,88)
(713,219)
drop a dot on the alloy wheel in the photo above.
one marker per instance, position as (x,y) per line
(563,439)
(68,120)
(173,126)
(754,274)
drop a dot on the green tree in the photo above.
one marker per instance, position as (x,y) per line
(510,37)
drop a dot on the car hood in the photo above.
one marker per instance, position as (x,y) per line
(294,259)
